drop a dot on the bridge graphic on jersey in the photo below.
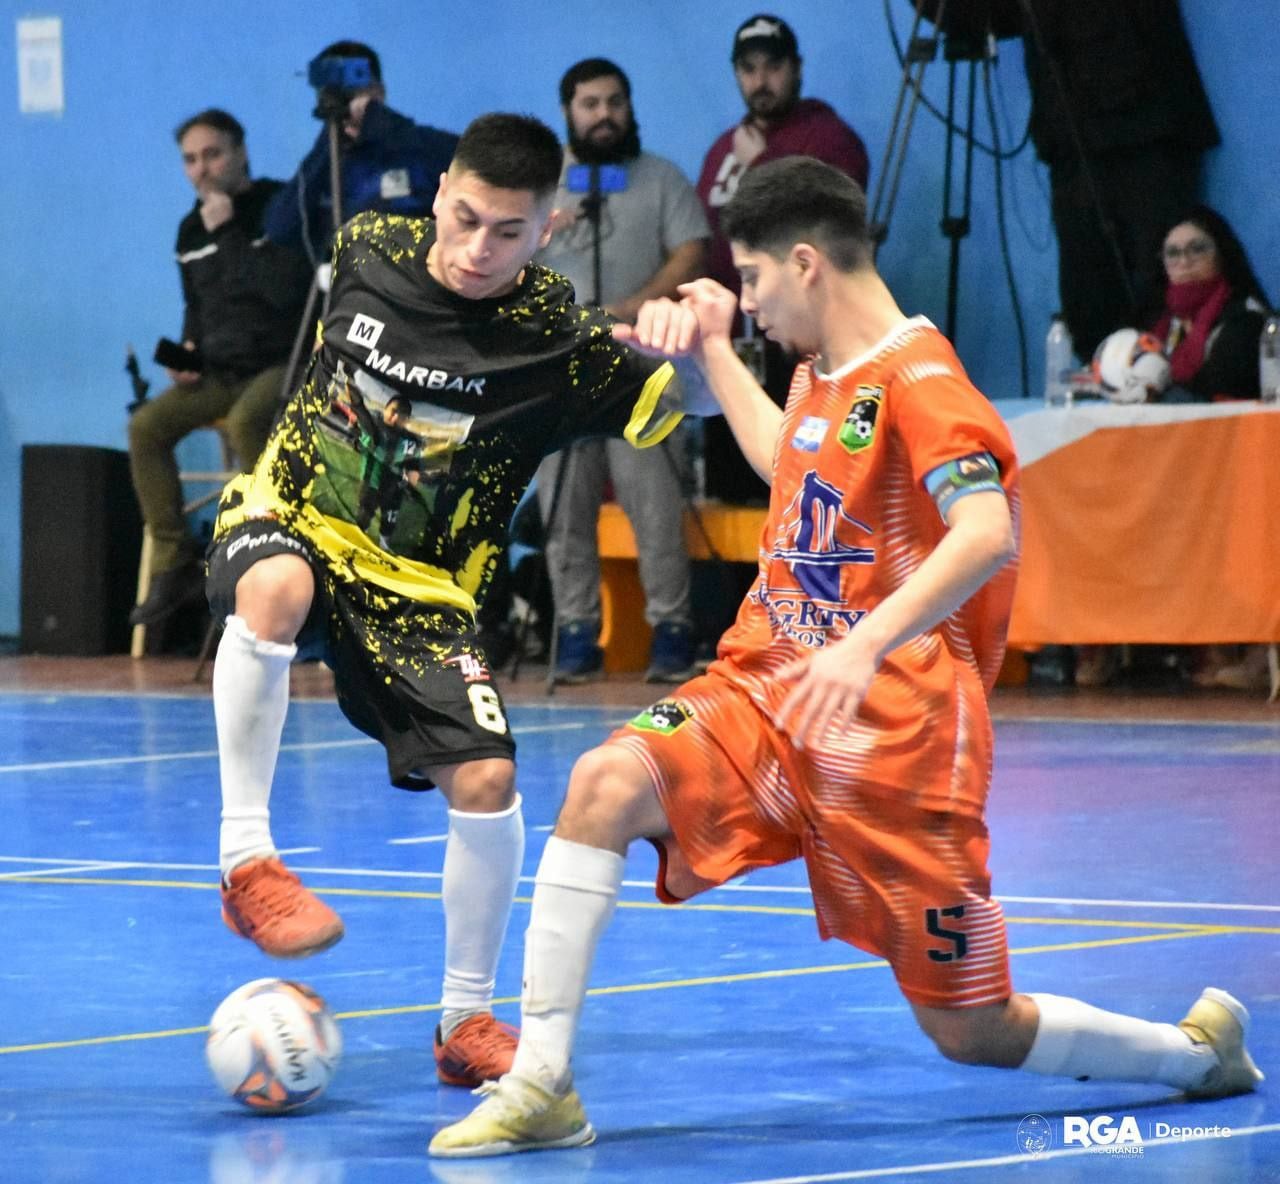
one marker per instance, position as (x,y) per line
(810,540)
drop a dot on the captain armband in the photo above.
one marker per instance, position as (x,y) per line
(975,473)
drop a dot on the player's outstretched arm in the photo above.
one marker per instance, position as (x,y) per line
(831,684)
(700,327)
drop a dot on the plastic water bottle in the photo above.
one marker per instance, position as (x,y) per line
(1059,357)
(1269,360)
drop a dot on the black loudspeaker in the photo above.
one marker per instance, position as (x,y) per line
(81,536)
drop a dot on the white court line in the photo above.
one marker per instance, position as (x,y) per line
(438,838)
(160,757)
(61,870)
(1140,904)
(1127,720)
(998,1161)
(371,873)
(155,758)
(328,701)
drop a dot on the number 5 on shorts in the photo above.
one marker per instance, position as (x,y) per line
(958,940)
(487,708)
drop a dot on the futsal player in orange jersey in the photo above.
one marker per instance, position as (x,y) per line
(845,719)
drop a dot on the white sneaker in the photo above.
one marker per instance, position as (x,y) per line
(516,1115)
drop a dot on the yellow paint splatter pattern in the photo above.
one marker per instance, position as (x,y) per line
(548,371)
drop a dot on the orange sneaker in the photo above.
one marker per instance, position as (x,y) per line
(480,1049)
(265,902)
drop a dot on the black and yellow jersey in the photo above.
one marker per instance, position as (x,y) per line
(424,415)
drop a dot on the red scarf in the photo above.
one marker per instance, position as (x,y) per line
(1191,311)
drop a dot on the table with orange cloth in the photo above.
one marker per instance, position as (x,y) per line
(1148,524)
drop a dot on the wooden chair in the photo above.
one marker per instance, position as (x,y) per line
(215,479)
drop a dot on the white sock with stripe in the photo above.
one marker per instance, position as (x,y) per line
(1077,1040)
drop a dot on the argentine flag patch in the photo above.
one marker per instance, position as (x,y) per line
(809,434)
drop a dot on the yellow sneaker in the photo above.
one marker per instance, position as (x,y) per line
(516,1115)
(1221,1021)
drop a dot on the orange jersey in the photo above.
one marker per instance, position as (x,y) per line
(849,522)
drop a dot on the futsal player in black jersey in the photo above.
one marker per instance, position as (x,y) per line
(447,367)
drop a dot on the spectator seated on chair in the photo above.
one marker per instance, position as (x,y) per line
(1214,310)
(244,298)
(1212,315)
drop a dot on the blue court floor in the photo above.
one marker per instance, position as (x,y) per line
(722,1044)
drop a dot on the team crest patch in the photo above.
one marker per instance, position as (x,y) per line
(664,717)
(859,428)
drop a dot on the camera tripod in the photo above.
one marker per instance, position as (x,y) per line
(971,49)
(592,207)
(968,31)
(331,106)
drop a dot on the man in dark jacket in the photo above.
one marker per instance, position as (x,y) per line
(388,163)
(1119,114)
(243,299)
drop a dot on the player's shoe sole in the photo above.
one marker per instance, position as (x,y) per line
(263,901)
(515,1116)
(1222,1022)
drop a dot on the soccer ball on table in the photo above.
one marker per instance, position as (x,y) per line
(1130,367)
(273,1045)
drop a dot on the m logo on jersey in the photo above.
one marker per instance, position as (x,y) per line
(859,427)
(815,533)
(663,717)
(365,330)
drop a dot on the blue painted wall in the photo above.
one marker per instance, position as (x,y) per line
(89,202)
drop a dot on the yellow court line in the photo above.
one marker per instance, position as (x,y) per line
(630,988)
(775,910)
(1197,927)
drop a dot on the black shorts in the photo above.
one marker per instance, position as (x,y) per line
(410,675)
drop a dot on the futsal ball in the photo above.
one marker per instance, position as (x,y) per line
(1130,367)
(273,1045)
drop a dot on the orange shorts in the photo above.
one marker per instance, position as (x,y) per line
(906,884)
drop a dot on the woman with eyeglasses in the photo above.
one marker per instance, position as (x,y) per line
(1213,312)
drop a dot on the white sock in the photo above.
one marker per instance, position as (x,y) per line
(482,863)
(573,899)
(250,699)
(1076,1040)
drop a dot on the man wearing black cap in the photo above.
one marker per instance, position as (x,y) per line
(777,122)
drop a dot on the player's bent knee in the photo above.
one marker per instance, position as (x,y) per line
(957,1035)
(274,597)
(610,800)
(478,787)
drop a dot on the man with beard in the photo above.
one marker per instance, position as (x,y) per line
(778,122)
(652,237)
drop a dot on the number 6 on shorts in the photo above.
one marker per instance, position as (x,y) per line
(487,708)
